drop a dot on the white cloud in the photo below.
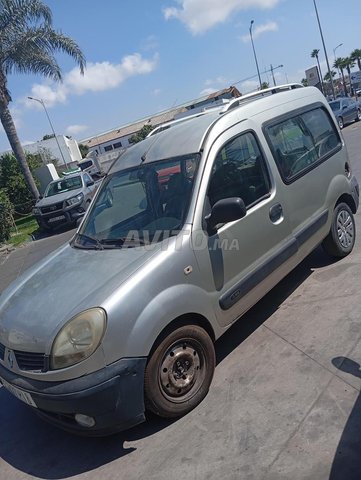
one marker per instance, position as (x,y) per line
(76,129)
(98,77)
(258,30)
(207,91)
(249,86)
(150,43)
(201,15)
(222,81)
(156,92)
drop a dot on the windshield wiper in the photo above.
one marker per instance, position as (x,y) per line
(95,243)
(122,242)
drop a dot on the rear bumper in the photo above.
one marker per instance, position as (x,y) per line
(113,397)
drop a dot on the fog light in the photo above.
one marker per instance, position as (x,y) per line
(84,420)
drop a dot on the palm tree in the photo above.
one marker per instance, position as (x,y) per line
(327,76)
(340,65)
(356,57)
(27,45)
(314,54)
(349,63)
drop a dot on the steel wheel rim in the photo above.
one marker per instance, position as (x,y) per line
(340,122)
(345,229)
(182,370)
(359,114)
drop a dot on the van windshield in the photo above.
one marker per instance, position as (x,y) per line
(140,205)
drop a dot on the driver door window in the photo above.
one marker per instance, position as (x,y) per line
(239,170)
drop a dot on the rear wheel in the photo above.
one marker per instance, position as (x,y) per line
(179,372)
(340,122)
(341,239)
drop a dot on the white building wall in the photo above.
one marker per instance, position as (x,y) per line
(70,153)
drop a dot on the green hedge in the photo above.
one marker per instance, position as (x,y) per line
(6,211)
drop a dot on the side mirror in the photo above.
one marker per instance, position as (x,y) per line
(41,197)
(89,184)
(225,211)
(344,107)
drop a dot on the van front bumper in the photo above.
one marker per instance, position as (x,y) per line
(112,396)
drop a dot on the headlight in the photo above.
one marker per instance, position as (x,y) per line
(75,200)
(78,339)
(36,211)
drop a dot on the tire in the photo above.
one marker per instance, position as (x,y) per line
(358,116)
(341,239)
(179,372)
(340,122)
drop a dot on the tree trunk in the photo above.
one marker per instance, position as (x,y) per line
(344,82)
(349,77)
(14,141)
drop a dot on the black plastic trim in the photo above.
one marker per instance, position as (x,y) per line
(113,396)
(244,286)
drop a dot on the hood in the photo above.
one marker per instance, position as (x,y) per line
(60,197)
(68,281)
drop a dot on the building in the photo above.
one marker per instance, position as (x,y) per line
(109,144)
(64,150)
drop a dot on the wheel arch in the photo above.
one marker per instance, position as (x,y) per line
(181,321)
(348,199)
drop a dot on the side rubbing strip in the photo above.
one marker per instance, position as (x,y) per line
(307,232)
(228,299)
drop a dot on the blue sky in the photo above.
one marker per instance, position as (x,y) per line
(146,56)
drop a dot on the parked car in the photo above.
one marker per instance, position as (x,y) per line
(65,201)
(346,110)
(190,228)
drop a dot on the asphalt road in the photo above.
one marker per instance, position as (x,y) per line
(284,403)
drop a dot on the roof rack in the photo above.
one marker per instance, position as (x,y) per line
(249,97)
(165,126)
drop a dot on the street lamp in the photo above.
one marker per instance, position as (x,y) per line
(334,54)
(39,100)
(324,49)
(255,56)
(334,50)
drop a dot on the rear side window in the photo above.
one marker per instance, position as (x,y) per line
(301,142)
(239,170)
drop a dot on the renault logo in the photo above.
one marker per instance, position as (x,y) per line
(10,359)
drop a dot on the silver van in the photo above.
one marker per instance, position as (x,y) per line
(189,229)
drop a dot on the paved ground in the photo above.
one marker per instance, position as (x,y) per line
(285,401)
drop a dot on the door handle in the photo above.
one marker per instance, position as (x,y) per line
(276,212)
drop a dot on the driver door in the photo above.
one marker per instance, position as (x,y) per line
(247,257)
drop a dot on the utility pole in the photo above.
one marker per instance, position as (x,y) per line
(255,56)
(324,49)
(273,76)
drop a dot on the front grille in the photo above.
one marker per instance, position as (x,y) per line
(52,208)
(27,360)
(30,360)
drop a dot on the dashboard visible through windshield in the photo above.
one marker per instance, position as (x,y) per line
(139,205)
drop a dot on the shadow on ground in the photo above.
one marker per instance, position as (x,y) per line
(36,448)
(347,461)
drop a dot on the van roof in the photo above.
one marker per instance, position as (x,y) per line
(188,136)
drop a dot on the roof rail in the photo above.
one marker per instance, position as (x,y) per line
(165,126)
(249,97)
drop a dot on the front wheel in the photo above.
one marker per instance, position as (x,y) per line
(358,116)
(340,122)
(179,372)
(341,239)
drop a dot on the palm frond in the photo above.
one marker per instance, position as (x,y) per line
(17,14)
